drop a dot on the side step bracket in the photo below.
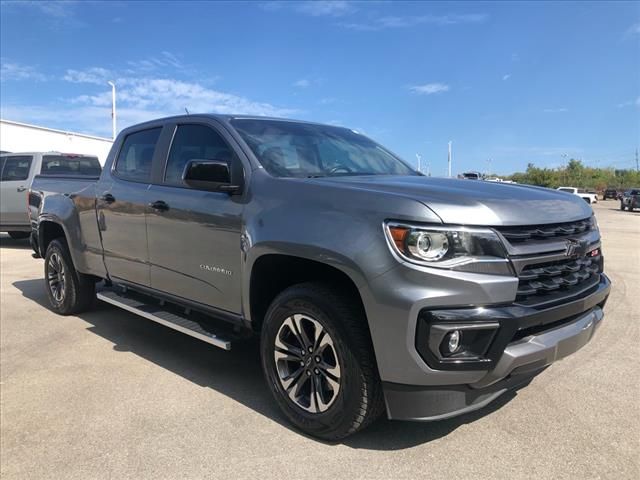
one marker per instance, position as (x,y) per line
(158,313)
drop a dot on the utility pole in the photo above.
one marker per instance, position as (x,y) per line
(419,157)
(449,159)
(113,109)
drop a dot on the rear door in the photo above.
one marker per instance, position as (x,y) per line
(194,240)
(122,206)
(14,182)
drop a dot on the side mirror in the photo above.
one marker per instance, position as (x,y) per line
(212,175)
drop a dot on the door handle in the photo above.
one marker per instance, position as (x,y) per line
(159,205)
(21,188)
(108,198)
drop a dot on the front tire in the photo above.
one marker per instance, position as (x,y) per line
(318,361)
(19,235)
(69,291)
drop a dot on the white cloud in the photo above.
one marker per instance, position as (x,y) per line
(630,103)
(95,75)
(57,14)
(634,29)
(56,9)
(389,22)
(162,61)
(430,88)
(16,71)
(145,98)
(172,96)
(302,83)
(140,98)
(317,8)
(556,110)
(506,76)
(335,8)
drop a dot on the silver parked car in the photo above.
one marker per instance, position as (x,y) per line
(16,174)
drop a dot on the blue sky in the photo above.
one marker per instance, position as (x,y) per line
(508,82)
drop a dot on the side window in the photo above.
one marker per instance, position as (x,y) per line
(15,168)
(136,155)
(194,142)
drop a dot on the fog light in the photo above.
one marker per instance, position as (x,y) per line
(453,341)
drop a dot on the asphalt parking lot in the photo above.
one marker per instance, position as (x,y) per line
(109,395)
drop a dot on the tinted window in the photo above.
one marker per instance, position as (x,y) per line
(70,165)
(15,168)
(291,149)
(136,155)
(194,142)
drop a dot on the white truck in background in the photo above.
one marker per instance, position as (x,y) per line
(16,174)
(582,193)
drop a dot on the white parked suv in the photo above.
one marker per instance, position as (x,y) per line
(16,174)
(582,193)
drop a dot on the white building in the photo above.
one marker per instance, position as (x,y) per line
(22,137)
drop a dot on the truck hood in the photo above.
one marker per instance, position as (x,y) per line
(473,202)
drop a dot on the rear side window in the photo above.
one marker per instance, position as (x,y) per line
(194,142)
(70,165)
(15,168)
(136,155)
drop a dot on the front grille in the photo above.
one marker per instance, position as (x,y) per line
(517,235)
(545,284)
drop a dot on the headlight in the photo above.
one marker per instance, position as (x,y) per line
(467,249)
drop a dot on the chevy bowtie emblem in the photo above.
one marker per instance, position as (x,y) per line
(575,247)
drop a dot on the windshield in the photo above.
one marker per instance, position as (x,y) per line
(290,149)
(70,165)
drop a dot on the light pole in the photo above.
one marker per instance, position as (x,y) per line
(419,157)
(449,158)
(113,109)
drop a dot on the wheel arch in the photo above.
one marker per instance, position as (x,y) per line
(273,271)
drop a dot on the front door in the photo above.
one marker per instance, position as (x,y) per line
(122,205)
(14,183)
(194,237)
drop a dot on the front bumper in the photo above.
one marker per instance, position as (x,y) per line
(528,341)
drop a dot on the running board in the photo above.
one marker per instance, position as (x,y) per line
(157,313)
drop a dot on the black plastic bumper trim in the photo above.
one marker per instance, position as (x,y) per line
(426,404)
(512,319)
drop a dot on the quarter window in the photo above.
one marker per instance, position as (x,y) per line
(15,168)
(136,155)
(194,142)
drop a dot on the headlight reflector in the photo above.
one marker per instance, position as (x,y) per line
(470,249)
(429,246)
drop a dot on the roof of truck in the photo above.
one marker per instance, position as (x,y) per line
(228,117)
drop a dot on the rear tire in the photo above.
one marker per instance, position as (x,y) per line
(19,235)
(332,390)
(69,291)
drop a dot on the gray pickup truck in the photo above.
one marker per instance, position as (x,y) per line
(371,287)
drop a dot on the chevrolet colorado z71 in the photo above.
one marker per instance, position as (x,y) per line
(371,287)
